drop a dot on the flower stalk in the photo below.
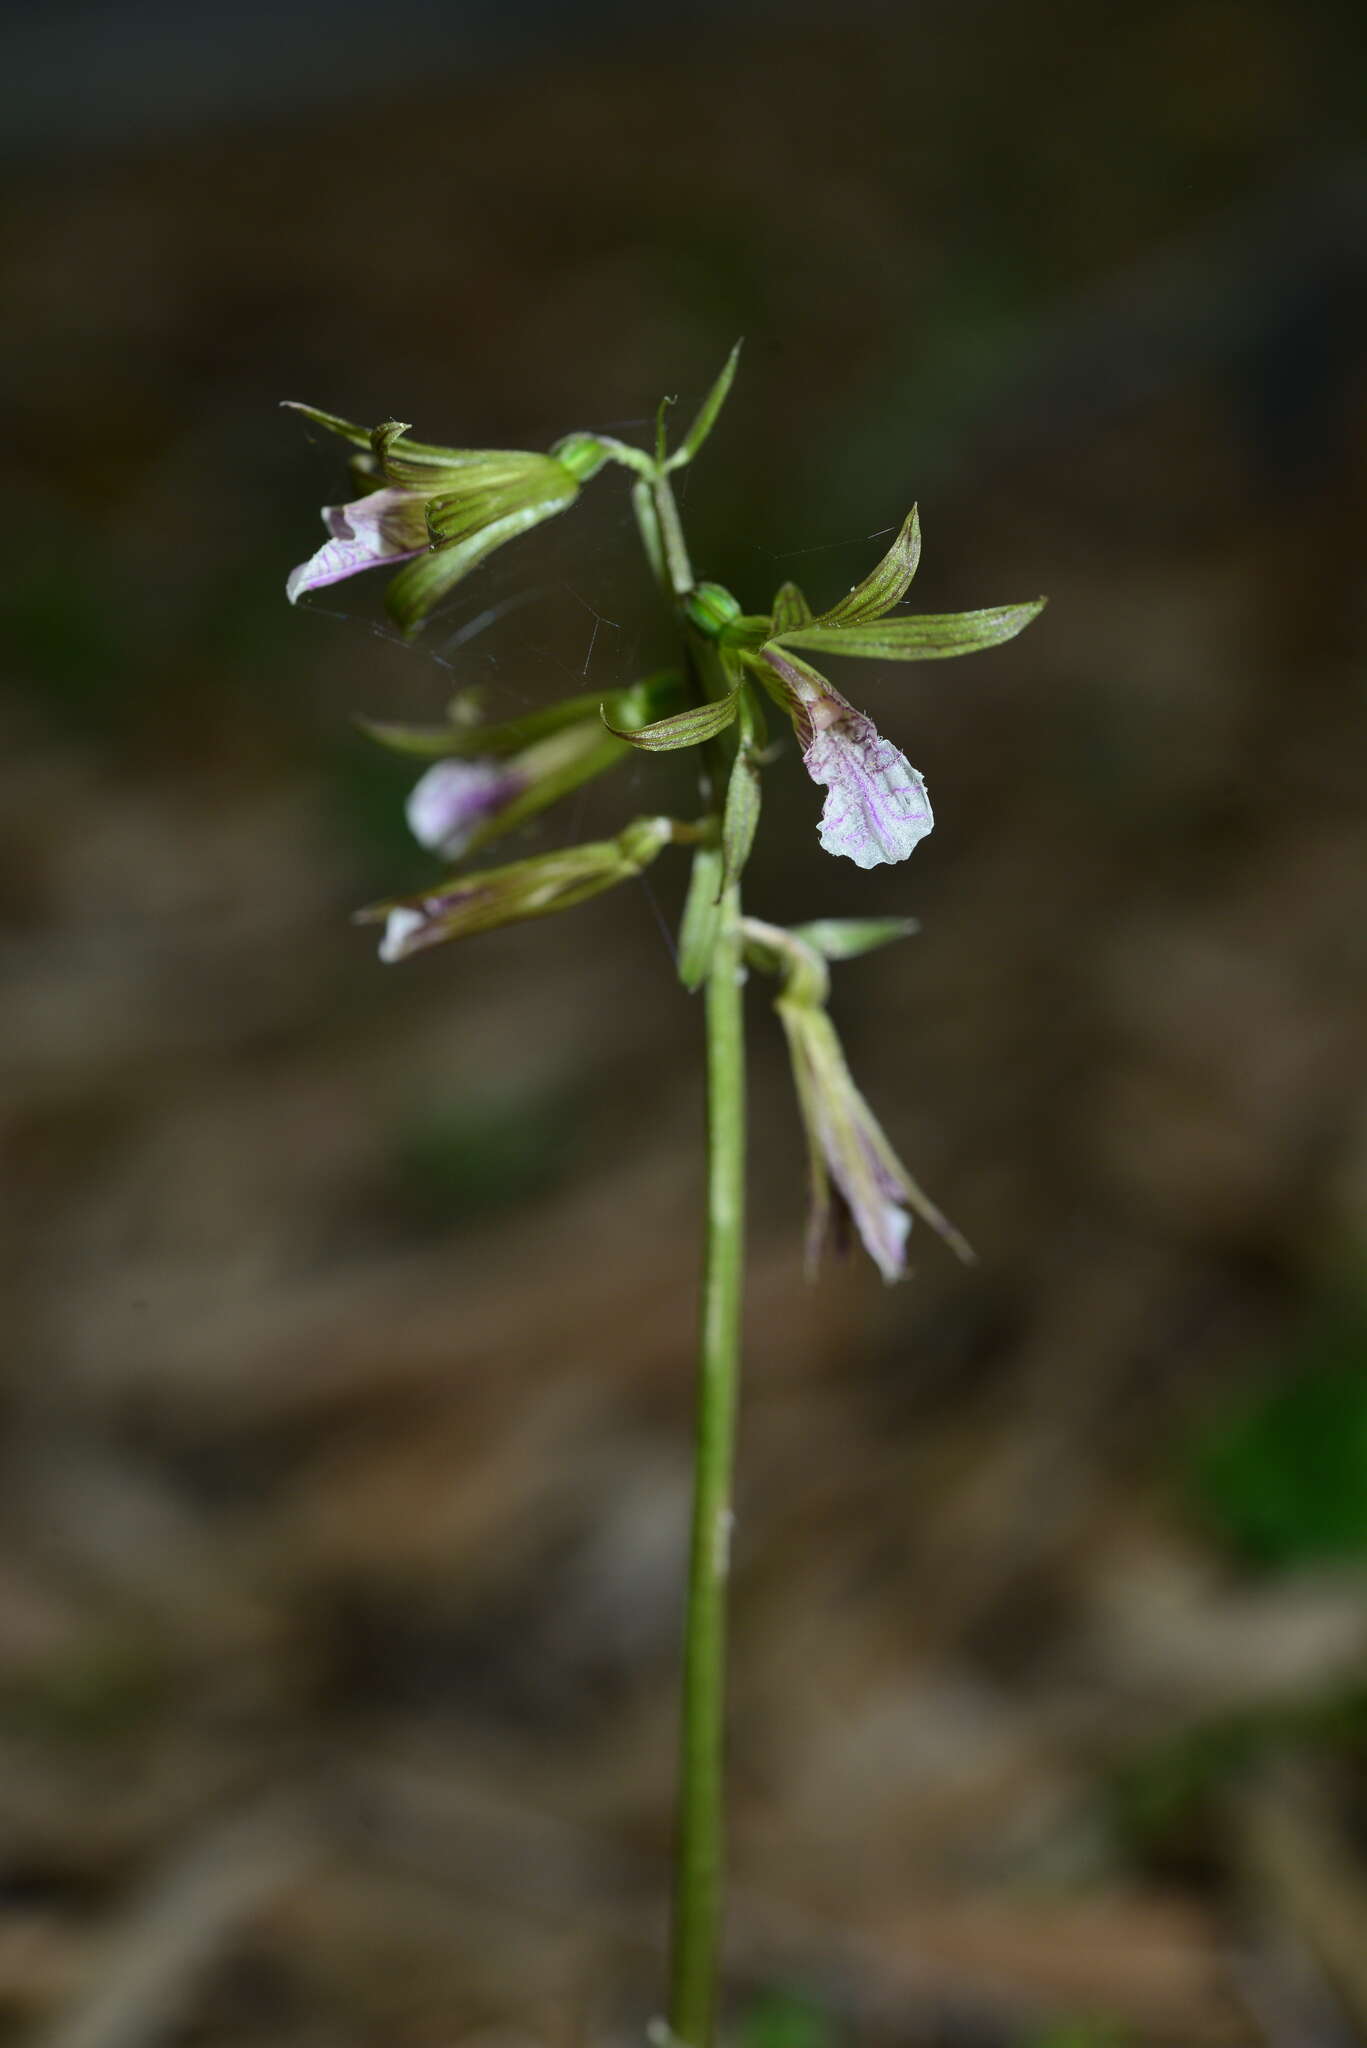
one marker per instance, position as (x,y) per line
(700,1825)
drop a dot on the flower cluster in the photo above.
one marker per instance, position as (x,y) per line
(432,514)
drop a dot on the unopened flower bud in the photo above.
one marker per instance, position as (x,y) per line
(490,897)
(711,608)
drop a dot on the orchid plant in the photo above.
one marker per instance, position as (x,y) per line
(433,514)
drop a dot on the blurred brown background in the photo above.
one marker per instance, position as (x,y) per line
(349,1309)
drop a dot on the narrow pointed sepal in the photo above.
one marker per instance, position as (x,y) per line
(932,638)
(740,815)
(708,412)
(845,938)
(791,610)
(346,430)
(884,586)
(636,705)
(688,728)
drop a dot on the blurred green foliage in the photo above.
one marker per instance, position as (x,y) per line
(785,2019)
(475,1155)
(1283,1475)
(1086,2034)
(1159,1793)
(101,1685)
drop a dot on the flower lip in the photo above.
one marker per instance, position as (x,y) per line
(383,528)
(877,808)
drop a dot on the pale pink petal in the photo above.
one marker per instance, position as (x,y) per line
(877,809)
(454,798)
(400,937)
(387,526)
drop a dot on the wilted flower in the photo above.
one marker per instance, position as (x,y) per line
(856,1177)
(439,511)
(855,1174)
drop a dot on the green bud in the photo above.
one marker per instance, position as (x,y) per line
(583,455)
(711,608)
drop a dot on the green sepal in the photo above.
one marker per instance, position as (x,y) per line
(701,917)
(347,430)
(421,584)
(706,417)
(688,728)
(486,491)
(791,610)
(844,938)
(662,427)
(740,815)
(464,905)
(637,704)
(932,638)
(884,586)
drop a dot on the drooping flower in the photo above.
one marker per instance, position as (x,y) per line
(855,1176)
(876,807)
(434,513)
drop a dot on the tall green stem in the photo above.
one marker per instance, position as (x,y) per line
(700,1829)
(700,1824)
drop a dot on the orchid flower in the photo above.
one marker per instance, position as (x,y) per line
(434,513)
(876,808)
